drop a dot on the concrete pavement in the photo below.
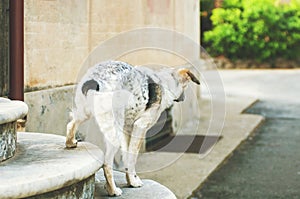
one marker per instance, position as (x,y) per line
(242,88)
(270,85)
(183,173)
(268,164)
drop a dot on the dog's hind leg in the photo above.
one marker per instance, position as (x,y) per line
(72,126)
(112,144)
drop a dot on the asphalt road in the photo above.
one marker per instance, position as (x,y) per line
(267,165)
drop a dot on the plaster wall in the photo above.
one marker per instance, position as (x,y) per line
(60,34)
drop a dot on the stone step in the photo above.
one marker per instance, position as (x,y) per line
(43,168)
(10,112)
(150,189)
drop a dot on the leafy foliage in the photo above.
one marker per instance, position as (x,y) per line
(206,7)
(255,29)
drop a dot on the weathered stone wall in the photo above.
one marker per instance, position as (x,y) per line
(10,113)
(8,140)
(49,110)
(60,34)
(56,33)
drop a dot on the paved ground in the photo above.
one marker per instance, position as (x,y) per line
(182,173)
(269,85)
(268,164)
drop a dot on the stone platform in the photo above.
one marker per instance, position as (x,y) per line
(150,189)
(43,168)
(10,112)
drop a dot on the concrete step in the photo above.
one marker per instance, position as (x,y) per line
(150,189)
(43,168)
(10,112)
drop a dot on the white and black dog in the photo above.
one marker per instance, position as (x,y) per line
(126,101)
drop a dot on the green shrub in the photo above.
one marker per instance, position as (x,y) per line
(206,7)
(255,29)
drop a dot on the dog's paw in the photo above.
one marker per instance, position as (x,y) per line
(117,192)
(71,143)
(113,192)
(134,181)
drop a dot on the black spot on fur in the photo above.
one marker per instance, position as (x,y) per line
(154,93)
(89,85)
(181,98)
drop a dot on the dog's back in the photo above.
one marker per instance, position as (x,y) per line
(119,81)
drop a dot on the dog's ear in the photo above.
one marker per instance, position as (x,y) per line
(186,75)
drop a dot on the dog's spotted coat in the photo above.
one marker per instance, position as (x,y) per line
(125,101)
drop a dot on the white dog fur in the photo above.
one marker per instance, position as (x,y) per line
(126,101)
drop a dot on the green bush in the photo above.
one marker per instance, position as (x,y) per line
(206,7)
(255,29)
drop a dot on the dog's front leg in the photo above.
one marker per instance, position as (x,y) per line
(140,127)
(135,143)
(131,176)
